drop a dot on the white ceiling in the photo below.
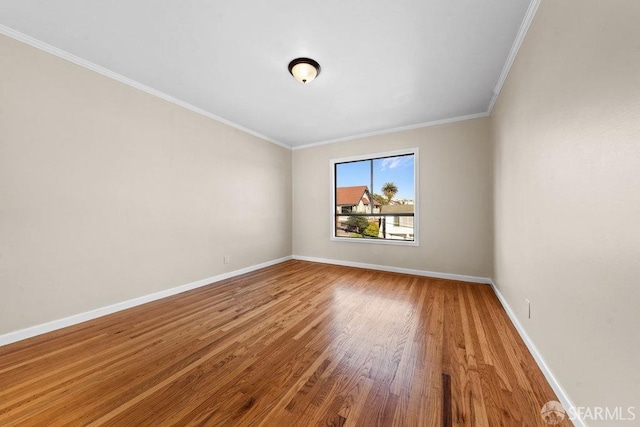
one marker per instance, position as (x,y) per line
(385,64)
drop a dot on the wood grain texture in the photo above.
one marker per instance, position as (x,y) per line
(295,344)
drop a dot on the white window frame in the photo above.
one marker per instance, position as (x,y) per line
(373,156)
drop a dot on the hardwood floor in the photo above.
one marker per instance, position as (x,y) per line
(296,344)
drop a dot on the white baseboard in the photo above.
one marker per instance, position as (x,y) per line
(43,328)
(434,274)
(103,311)
(555,385)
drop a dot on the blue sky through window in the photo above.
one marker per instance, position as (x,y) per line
(399,170)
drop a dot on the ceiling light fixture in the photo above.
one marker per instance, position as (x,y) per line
(304,69)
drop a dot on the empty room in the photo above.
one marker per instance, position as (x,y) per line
(343,213)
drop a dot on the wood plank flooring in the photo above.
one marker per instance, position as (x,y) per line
(295,344)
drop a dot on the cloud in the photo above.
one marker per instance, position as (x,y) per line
(394,162)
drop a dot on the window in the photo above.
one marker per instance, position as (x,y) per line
(374,198)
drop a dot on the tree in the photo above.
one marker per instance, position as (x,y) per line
(389,190)
(357,224)
(372,230)
(380,199)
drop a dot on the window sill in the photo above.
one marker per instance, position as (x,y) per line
(375,241)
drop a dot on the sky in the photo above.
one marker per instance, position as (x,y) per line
(398,170)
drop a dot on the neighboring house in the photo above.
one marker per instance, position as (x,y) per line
(402,202)
(355,200)
(397,227)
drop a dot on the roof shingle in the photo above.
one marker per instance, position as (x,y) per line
(350,196)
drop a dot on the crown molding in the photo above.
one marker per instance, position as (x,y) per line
(522,32)
(393,130)
(16,35)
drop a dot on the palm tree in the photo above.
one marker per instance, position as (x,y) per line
(380,199)
(389,190)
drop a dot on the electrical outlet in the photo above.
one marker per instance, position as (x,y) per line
(528,307)
(227,258)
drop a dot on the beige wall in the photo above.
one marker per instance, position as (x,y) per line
(108,193)
(454,200)
(567,195)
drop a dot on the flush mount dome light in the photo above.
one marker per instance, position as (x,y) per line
(304,69)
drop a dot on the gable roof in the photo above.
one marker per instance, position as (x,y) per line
(351,196)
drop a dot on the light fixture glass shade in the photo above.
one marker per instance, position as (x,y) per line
(304,69)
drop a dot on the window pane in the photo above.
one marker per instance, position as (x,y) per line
(393,180)
(353,180)
(375,198)
(397,228)
(375,227)
(358,226)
